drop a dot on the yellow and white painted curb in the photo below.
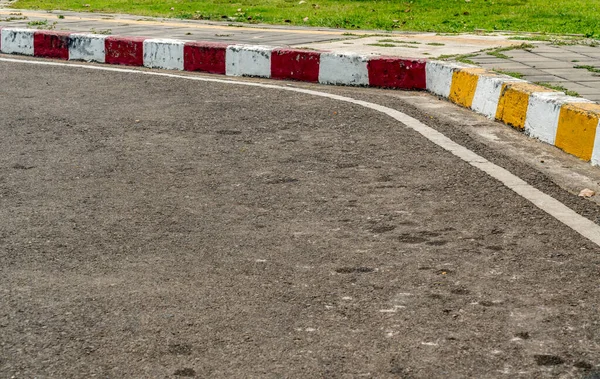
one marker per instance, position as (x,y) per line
(570,123)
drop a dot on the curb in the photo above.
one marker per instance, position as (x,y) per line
(569,123)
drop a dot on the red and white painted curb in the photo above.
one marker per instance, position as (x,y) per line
(219,58)
(571,124)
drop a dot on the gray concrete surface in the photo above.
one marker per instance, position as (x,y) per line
(157,227)
(554,64)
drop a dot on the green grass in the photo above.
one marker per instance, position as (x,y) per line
(517,75)
(398,41)
(37,23)
(382,44)
(558,39)
(497,54)
(558,87)
(450,16)
(589,68)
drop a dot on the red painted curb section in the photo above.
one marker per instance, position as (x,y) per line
(205,56)
(50,44)
(295,65)
(392,72)
(125,50)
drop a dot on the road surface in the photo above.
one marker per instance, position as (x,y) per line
(162,227)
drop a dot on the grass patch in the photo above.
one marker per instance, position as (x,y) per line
(436,44)
(382,44)
(589,68)
(514,74)
(37,23)
(462,58)
(12,18)
(558,87)
(465,60)
(566,16)
(399,41)
(498,53)
(102,31)
(558,40)
(391,45)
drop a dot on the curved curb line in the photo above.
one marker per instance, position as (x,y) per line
(569,123)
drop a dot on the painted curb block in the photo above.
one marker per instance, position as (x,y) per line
(569,123)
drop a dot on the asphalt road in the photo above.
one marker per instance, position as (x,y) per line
(158,227)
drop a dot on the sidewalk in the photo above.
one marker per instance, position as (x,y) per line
(546,62)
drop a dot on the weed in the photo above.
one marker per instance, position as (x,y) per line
(588,67)
(399,41)
(102,31)
(465,60)
(38,23)
(558,87)
(382,44)
(514,74)
(498,54)
(7,19)
(462,58)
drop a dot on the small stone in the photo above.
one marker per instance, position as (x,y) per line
(586,192)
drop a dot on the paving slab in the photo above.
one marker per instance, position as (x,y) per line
(552,64)
(544,79)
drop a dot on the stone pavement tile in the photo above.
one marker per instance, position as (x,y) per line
(578,87)
(564,55)
(521,53)
(532,59)
(583,49)
(552,64)
(592,84)
(585,61)
(529,72)
(490,60)
(508,66)
(544,78)
(587,91)
(593,55)
(575,75)
(593,97)
(547,49)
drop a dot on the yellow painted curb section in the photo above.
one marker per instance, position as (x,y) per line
(576,132)
(513,102)
(464,84)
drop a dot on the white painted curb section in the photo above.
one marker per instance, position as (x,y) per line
(596,152)
(163,53)
(248,60)
(87,47)
(17,41)
(344,68)
(438,77)
(543,111)
(487,94)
